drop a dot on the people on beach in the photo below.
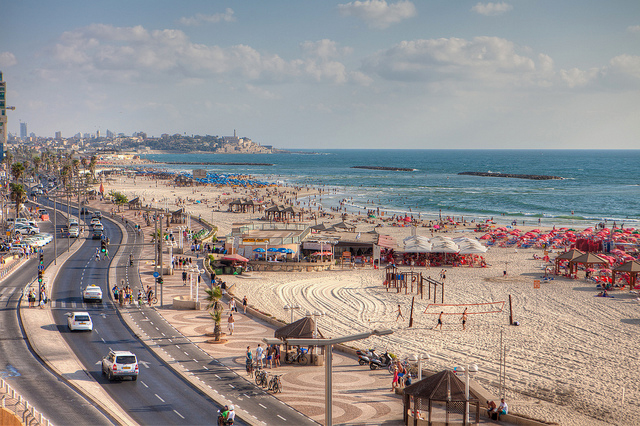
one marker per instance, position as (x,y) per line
(464,319)
(399,311)
(503,408)
(249,361)
(492,410)
(259,355)
(244,304)
(439,324)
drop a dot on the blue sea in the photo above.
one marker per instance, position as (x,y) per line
(597,184)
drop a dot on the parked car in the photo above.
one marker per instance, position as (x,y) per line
(79,321)
(25,229)
(92,292)
(120,364)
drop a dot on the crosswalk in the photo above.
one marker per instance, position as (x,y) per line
(7,292)
(62,304)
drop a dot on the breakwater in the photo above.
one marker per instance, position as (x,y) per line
(393,169)
(512,175)
(210,163)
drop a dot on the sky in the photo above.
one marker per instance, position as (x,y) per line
(310,74)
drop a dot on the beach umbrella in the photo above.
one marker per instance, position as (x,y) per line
(272,250)
(259,250)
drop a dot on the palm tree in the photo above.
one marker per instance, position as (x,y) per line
(19,195)
(37,161)
(92,166)
(213,297)
(17,169)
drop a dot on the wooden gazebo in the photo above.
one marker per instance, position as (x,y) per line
(587,259)
(243,206)
(631,267)
(303,328)
(178,216)
(439,399)
(135,204)
(570,255)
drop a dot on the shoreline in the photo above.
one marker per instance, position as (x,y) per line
(554,357)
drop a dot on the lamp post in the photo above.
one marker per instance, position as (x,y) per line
(473,368)
(291,308)
(418,358)
(328,359)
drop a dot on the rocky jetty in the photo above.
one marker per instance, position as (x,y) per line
(209,163)
(393,169)
(512,175)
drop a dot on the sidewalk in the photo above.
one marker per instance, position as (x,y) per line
(360,396)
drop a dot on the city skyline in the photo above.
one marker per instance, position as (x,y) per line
(361,74)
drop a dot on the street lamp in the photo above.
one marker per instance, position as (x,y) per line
(291,308)
(192,271)
(328,359)
(473,368)
(315,315)
(418,358)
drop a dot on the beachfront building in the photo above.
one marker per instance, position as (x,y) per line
(3,117)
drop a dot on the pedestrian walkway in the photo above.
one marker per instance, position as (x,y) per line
(360,396)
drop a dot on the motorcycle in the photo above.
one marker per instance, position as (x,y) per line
(365,357)
(384,361)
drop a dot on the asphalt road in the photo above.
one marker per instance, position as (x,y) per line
(159,396)
(23,370)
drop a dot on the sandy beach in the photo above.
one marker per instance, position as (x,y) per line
(573,359)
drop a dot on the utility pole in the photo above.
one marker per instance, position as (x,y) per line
(55,232)
(160,261)
(155,239)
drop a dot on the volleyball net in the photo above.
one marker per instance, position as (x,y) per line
(458,309)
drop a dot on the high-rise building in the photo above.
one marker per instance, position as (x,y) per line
(3,117)
(23,131)
(58,135)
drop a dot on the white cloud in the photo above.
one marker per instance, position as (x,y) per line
(127,54)
(627,65)
(483,59)
(7,59)
(200,18)
(377,13)
(633,28)
(578,78)
(491,9)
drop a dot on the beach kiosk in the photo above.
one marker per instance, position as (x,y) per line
(439,400)
(301,329)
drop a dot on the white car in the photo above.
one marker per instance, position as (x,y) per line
(98,227)
(95,221)
(92,292)
(120,364)
(74,231)
(79,321)
(18,248)
(25,229)
(73,222)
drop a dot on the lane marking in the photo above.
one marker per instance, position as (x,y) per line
(282,417)
(262,406)
(144,384)
(181,416)
(158,396)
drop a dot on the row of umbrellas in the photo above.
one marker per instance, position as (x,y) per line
(221,179)
(273,250)
(440,244)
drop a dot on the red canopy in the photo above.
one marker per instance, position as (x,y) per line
(235,257)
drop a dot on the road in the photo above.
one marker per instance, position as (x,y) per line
(159,396)
(23,370)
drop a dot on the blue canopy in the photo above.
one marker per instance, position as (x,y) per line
(259,250)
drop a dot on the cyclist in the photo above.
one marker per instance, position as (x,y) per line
(227,416)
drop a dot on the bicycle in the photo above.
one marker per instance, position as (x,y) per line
(249,367)
(299,356)
(275,384)
(260,377)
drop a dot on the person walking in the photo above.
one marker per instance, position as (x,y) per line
(464,319)
(439,324)
(399,311)
(184,278)
(231,322)
(232,305)
(244,304)
(259,355)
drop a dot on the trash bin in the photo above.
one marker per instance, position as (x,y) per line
(218,271)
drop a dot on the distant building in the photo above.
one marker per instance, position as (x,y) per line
(110,134)
(23,131)
(58,136)
(3,117)
(98,134)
